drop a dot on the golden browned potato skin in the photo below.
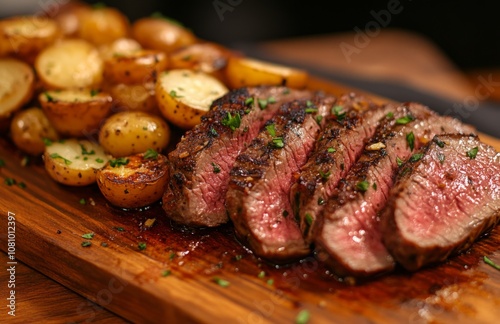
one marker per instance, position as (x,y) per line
(131,132)
(76,118)
(139,183)
(102,25)
(133,97)
(29,128)
(161,34)
(68,16)
(16,87)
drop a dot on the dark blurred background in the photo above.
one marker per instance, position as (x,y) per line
(467,31)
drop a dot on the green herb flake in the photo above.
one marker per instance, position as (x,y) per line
(94,92)
(410,139)
(261,274)
(2,163)
(399,161)
(374,186)
(82,201)
(262,103)
(311,110)
(416,157)
(405,120)
(141,246)
(339,113)
(86,243)
(173,94)
(286,91)
(271,100)
(247,111)
(270,282)
(119,228)
(489,262)
(118,162)
(57,156)
(362,186)
(278,142)
(438,142)
(49,97)
(472,152)
(321,201)
(166,273)
(216,167)
(441,157)
(249,101)
(309,219)
(213,132)
(85,152)
(47,141)
(99,160)
(319,118)
(325,175)
(302,317)
(172,256)
(88,236)
(151,154)
(21,185)
(271,130)
(390,115)
(10,181)
(238,257)
(331,150)
(104,244)
(232,122)
(309,103)
(221,282)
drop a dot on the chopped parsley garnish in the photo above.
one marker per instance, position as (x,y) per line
(362,185)
(238,257)
(172,256)
(491,263)
(410,139)
(213,132)
(173,94)
(47,141)
(85,152)
(441,157)
(221,282)
(262,103)
(82,201)
(390,115)
(247,111)
(2,163)
(49,97)
(309,219)
(166,273)
(86,243)
(286,91)
(10,181)
(119,228)
(321,201)
(270,282)
(216,167)
(21,185)
(94,92)
(311,110)
(232,122)
(331,150)
(118,162)
(405,120)
(374,186)
(399,161)
(325,175)
(99,160)
(302,317)
(319,118)
(472,152)
(337,111)
(151,154)
(438,142)
(309,103)
(278,142)
(416,157)
(141,246)
(261,274)
(271,100)
(271,130)
(249,101)
(57,156)
(88,236)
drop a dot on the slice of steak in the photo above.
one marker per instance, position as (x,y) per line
(347,234)
(443,199)
(200,164)
(258,196)
(338,147)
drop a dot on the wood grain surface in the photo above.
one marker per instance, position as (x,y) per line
(115,273)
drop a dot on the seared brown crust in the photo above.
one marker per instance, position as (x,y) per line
(201,162)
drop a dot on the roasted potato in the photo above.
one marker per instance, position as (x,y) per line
(136,97)
(185,95)
(119,47)
(76,113)
(26,36)
(17,82)
(135,181)
(71,63)
(136,67)
(205,57)
(246,72)
(68,16)
(161,34)
(73,162)
(30,129)
(102,25)
(131,132)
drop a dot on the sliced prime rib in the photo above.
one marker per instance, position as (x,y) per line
(200,163)
(338,147)
(442,201)
(259,188)
(347,233)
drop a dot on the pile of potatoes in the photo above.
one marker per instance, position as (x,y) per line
(95,94)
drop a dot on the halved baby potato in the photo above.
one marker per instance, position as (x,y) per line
(30,129)
(101,25)
(120,47)
(73,162)
(134,181)
(246,72)
(131,132)
(136,97)
(26,36)
(184,95)
(76,113)
(17,82)
(135,67)
(70,63)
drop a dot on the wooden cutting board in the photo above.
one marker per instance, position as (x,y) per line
(116,274)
